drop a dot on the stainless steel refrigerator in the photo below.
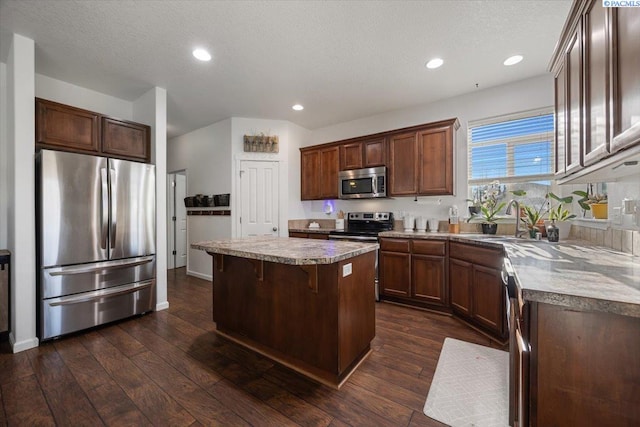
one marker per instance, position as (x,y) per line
(95,240)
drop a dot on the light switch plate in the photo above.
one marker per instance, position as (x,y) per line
(347,269)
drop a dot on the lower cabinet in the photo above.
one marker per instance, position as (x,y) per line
(461,276)
(477,292)
(414,271)
(576,368)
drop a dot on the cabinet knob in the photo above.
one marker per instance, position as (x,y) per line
(275,228)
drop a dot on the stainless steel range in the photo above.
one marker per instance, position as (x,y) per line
(364,227)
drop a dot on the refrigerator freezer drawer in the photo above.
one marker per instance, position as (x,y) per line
(81,311)
(73,279)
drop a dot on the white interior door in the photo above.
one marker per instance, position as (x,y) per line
(181,220)
(259,198)
(171,212)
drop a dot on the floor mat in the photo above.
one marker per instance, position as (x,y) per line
(470,386)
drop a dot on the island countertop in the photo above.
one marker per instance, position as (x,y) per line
(285,250)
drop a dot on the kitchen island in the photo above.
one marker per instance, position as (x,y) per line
(307,304)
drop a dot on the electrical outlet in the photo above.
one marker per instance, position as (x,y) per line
(347,269)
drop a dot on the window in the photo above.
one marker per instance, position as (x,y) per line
(515,150)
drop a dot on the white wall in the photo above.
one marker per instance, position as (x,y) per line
(290,138)
(205,156)
(151,109)
(80,97)
(520,96)
(21,189)
(4,173)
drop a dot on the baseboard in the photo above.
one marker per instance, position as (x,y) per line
(200,275)
(162,306)
(22,345)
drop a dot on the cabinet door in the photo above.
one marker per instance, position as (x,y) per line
(488,298)
(126,139)
(329,165)
(460,277)
(403,165)
(627,83)
(435,154)
(374,152)
(597,77)
(351,156)
(561,119)
(428,279)
(574,103)
(63,127)
(310,175)
(395,278)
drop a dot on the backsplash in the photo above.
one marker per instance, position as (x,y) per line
(627,241)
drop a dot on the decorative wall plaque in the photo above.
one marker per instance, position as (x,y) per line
(261,143)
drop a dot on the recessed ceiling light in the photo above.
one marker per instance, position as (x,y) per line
(435,63)
(298,107)
(202,54)
(512,60)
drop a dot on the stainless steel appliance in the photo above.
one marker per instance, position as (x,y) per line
(519,350)
(363,183)
(364,227)
(95,240)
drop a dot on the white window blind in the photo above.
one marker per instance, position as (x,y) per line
(517,148)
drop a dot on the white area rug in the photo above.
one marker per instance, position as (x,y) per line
(470,386)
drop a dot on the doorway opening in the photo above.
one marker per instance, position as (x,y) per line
(177,215)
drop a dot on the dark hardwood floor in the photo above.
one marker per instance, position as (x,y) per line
(170,368)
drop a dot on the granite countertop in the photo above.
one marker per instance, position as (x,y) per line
(578,275)
(286,250)
(571,273)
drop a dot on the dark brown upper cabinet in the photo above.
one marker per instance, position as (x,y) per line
(319,173)
(597,90)
(363,153)
(60,126)
(66,128)
(124,139)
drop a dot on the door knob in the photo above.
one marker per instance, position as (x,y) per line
(275,228)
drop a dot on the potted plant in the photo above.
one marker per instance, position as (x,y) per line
(596,203)
(475,207)
(489,208)
(559,215)
(532,216)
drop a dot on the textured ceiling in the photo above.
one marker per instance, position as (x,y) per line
(341,59)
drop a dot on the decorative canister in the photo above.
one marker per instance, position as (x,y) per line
(553,232)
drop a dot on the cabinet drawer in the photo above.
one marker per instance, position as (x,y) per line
(395,245)
(429,247)
(319,236)
(298,234)
(477,255)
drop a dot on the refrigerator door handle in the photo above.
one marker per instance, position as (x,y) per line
(110,265)
(120,290)
(104,212)
(114,208)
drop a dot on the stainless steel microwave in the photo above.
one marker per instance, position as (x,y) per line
(363,183)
